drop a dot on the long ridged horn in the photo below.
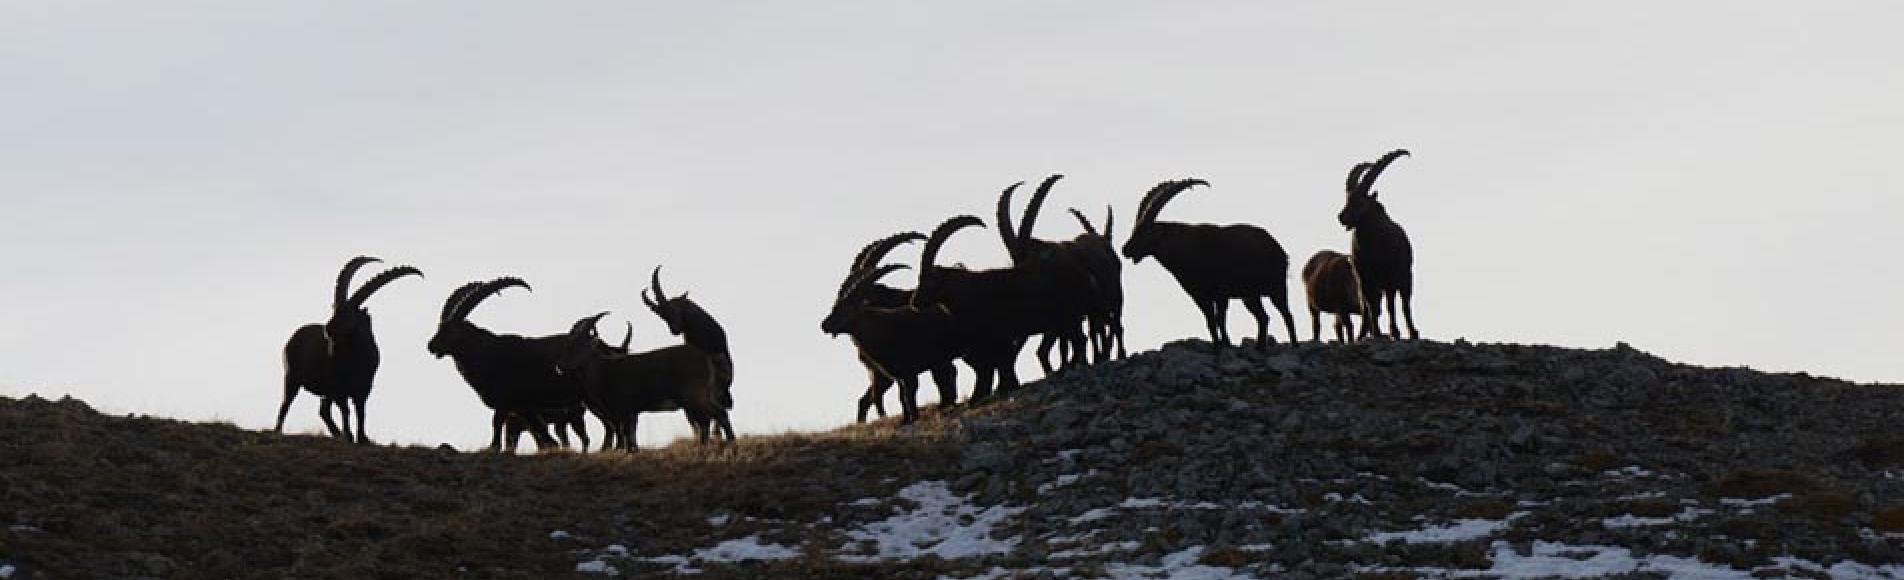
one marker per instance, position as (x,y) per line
(342,291)
(488,289)
(377,283)
(655,279)
(1368,179)
(449,306)
(1030,219)
(1168,191)
(938,237)
(586,326)
(1005,232)
(876,251)
(1083,221)
(866,278)
(1355,177)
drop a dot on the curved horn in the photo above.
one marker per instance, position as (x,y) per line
(1005,232)
(377,283)
(938,237)
(628,338)
(869,277)
(645,300)
(1083,221)
(586,326)
(1168,191)
(342,291)
(655,279)
(876,251)
(456,298)
(1368,179)
(1108,218)
(488,289)
(1355,176)
(1030,219)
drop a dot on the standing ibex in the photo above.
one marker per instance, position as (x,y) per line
(514,376)
(1384,260)
(1069,276)
(995,310)
(1106,320)
(337,360)
(698,329)
(622,386)
(895,342)
(1214,263)
(873,294)
(1329,277)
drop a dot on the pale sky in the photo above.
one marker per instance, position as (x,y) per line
(1711,182)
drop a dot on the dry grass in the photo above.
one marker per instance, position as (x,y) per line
(117,497)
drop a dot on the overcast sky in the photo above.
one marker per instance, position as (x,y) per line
(1712,182)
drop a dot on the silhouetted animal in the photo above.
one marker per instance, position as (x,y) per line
(895,342)
(337,360)
(1329,277)
(1214,263)
(625,385)
(1384,260)
(994,310)
(874,294)
(513,375)
(1070,279)
(1106,320)
(698,329)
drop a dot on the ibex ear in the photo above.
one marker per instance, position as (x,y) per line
(1372,194)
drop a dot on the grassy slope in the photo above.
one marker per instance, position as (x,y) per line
(112,497)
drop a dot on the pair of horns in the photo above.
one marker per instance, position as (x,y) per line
(870,256)
(1362,177)
(465,299)
(343,298)
(1154,200)
(654,281)
(1015,240)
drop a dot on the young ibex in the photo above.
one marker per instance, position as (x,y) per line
(337,360)
(1106,320)
(516,377)
(1329,277)
(1214,263)
(1068,271)
(698,329)
(873,294)
(626,385)
(895,342)
(1384,260)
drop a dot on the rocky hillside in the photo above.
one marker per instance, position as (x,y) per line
(1389,460)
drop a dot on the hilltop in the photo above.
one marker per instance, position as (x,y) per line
(1379,460)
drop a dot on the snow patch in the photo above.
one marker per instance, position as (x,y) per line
(559,535)
(1734,502)
(1632,521)
(596,567)
(7,570)
(1099,550)
(1181,566)
(1063,481)
(720,521)
(944,525)
(743,549)
(1460,530)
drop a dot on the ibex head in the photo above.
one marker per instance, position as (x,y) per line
(454,332)
(1142,241)
(669,309)
(853,293)
(1361,206)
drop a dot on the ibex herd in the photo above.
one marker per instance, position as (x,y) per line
(1068,292)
